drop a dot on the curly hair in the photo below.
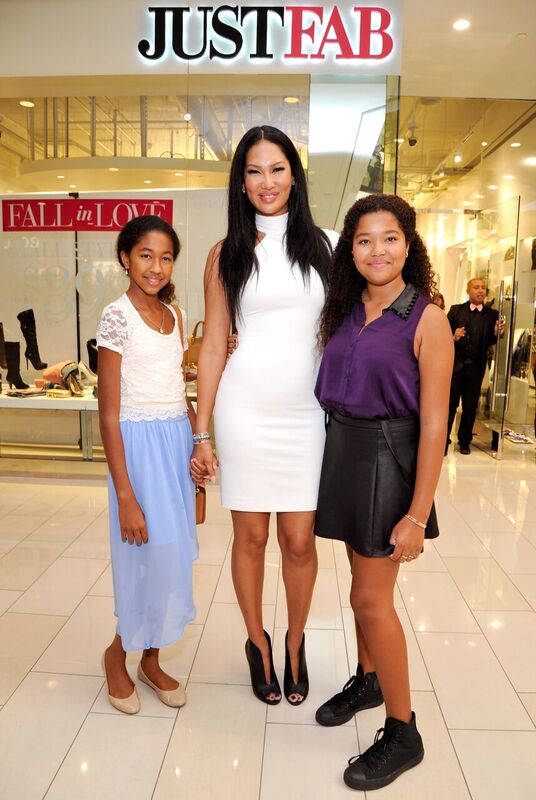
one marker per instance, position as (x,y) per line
(135,230)
(345,282)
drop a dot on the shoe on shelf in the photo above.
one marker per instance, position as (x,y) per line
(465,449)
(360,692)
(86,376)
(128,705)
(301,687)
(69,375)
(261,689)
(13,376)
(176,698)
(29,331)
(397,747)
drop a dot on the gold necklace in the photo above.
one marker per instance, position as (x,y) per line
(149,321)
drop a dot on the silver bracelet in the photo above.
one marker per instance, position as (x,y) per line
(416,521)
(201,437)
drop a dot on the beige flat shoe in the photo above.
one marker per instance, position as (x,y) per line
(174,697)
(128,705)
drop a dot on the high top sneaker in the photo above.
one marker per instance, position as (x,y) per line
(361,691)
(399,749)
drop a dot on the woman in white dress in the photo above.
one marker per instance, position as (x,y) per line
(267,279)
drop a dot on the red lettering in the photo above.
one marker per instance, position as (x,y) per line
(297,31)
(340,38)
(366,32)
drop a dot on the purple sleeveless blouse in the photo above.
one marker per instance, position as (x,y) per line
(374,374)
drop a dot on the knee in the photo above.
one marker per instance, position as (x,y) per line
(367,606)
(297,548)
(251,543)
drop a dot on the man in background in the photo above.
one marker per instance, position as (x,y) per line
(474,328)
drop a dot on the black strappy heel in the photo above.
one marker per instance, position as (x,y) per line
(261,689)
(302,685)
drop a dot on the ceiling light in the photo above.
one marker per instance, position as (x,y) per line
(441,173)
(113,169)
(178,174)
(479,196)
(60,176)
(187,116)
(26,103)
(455,210)
(292,100)
(530,161)
(457,158)
(147,181)
(508,177)
(493,186)
(515,144)
(72,186)
(468,202)
(484,144)
(461,25)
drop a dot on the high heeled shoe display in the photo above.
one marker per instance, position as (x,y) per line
(261,689)
(69,375)
(29,331)
(301,686)
(13,376)
(86,375)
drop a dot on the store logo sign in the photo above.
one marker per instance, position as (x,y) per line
(70,214)
(281,33)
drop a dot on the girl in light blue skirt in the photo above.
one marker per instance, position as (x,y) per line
(145,424)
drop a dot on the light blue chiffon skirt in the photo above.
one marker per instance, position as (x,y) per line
(153,582)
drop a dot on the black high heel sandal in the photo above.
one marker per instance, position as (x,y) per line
(301,687)
(261,689)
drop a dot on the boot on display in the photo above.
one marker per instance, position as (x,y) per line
(13,376)
(27,324)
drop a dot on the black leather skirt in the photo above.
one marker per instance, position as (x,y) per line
(367,481)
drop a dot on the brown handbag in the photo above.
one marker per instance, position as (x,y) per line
(195,341)
(200,504)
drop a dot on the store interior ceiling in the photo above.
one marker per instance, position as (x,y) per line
(454,97)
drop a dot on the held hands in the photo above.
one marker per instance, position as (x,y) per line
(203,464)
(132,522)
(407,539)
(459,333)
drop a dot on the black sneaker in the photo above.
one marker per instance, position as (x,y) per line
(399,749)
(361,691)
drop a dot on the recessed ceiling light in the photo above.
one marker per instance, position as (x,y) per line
(522,35)
(461,24)
(187,116)
(72,186)
(457,158)
(515,144)
(455,210)
(26,103)
(509,177)
(178,174)
(493,186)
(484,144)
(479,196)
(60,176)
(292,100)
(468,202)
(113,169)
(530,161)
(147,181)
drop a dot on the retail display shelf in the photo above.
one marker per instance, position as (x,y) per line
(85,403)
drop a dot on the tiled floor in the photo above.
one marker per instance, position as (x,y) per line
(468,607)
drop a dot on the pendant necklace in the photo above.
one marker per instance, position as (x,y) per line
(150,322)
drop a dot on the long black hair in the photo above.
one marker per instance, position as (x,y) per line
(135,230)
(307,246)
(346,284)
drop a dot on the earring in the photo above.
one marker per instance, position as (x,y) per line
(243,189)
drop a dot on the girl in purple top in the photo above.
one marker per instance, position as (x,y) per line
(384,382)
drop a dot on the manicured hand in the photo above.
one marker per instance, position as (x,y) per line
(205,462)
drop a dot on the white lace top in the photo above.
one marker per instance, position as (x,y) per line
(152,384)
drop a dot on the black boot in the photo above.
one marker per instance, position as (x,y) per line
(362,691)
(3,362)
(27,325)
(92,354)
(13,366)
(400,748)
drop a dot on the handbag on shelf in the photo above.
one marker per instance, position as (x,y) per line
(200,504)
(54,373)
(195,341)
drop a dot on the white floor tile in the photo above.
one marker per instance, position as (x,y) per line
(205,579)
(104,587)
(456,537)
(512,636)
(529,701)
(527,586)
(498,764)
(514,553)
(316,758)
(94,542)
(78,648)
(225,592)
(61,587)
(15,529)
(470,684)
(439,775)
(325,607)
(213,543)
(221,657)
(434,603)
(216,747)
(27,561)
(59,528)
(37,727)
(7,598)
(24,637)
(113,757)
(484,585)
(428,561)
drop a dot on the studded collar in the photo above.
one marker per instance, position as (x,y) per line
(404,303)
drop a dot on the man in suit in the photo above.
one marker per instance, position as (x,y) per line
(474,329)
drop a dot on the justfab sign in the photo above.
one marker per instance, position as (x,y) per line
(345,36)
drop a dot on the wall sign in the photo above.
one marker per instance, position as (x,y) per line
(69,214)
(342,32)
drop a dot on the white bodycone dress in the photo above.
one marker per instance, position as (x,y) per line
(269,426)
